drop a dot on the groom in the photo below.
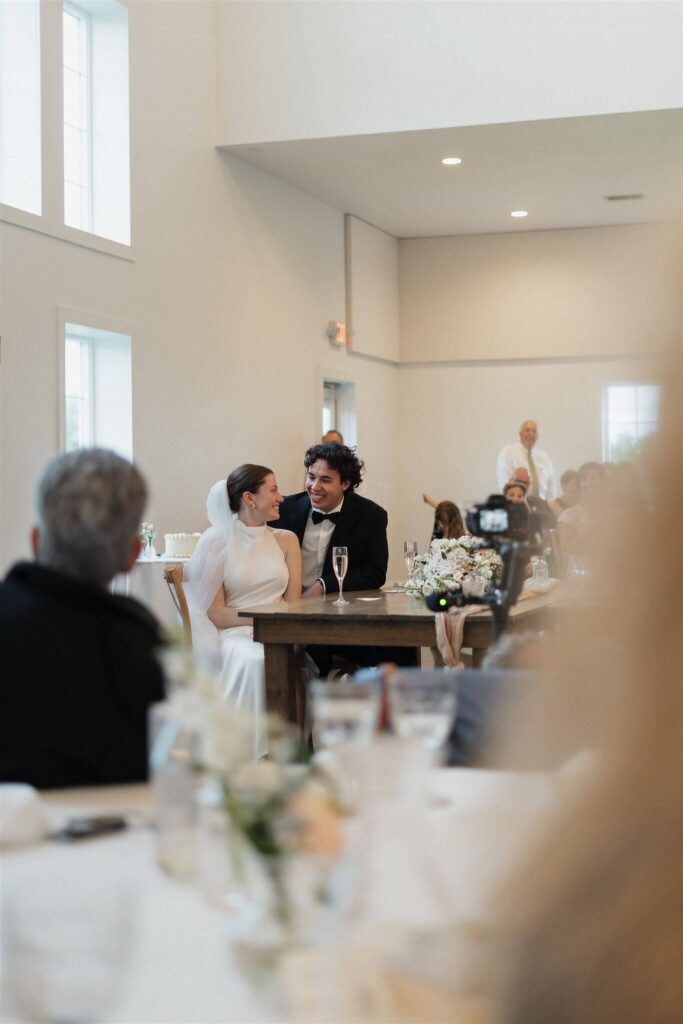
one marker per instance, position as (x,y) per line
(330,514)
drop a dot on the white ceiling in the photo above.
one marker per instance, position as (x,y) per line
(558,170)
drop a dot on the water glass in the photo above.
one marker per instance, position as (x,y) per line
(345,712)
(340,563)
(422,705)
(410,554)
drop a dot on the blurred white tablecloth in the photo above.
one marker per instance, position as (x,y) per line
(428,871)
(146,583)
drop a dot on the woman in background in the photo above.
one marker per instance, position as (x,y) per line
(448,524)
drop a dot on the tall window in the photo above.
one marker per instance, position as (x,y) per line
(77,118)
(20,138)
(631,413)
(97,389)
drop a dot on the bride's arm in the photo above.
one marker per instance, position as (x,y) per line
(289,542)
(222,615)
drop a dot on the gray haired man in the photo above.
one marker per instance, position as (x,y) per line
(79,669)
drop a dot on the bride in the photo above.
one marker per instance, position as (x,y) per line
(240,561)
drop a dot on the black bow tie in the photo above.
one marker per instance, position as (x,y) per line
(319,517)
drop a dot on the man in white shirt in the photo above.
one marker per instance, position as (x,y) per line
(538,462)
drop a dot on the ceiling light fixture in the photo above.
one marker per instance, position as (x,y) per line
(519,213)
(450,161)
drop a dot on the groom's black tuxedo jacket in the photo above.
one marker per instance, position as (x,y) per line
(361,527)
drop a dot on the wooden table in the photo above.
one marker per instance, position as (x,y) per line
(371,618)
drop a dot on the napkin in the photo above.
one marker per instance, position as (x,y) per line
(23,819)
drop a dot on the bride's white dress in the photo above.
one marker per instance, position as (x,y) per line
(250,565)
(255,572)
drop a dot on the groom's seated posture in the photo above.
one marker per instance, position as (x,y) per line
(330,514)
(78,665)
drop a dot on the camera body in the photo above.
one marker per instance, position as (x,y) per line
(497,518)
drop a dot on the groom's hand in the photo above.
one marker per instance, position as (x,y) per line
(316,589)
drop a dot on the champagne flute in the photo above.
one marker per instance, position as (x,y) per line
(410,554)
(340,562)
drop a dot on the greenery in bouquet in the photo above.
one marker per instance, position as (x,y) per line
(147,533)
(452,565)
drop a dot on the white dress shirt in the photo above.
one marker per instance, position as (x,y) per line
(314,547)
(515,455)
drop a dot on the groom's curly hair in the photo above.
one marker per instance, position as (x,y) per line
(339,457)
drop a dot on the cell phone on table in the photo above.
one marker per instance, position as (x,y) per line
(88,828)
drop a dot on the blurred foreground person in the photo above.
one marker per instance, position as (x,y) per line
(78,664)
(590,930)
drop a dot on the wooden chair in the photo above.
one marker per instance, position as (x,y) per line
(174,578)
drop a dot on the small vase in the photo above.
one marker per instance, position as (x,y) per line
(149,550)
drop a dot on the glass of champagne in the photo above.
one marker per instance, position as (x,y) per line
(410,554)
(340,563)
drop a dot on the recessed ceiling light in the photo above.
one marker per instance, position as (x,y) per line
(519,213)
(451,160)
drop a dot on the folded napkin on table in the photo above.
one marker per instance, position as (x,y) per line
(23,818)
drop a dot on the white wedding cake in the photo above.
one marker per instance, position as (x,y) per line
(180,545)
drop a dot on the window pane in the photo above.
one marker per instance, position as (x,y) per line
(621,404)
(72,98)
(72,155)
(20,175)
(72,367)
(645,428)
(622,440)
(71,48)
(72,205)
(72,423)
(648,396)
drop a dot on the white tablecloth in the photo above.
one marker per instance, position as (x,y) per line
(436,871)
(146,583)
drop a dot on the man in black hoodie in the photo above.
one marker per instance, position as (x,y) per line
(78,663)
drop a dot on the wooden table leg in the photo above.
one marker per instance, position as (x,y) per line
(280,673)
(478,655)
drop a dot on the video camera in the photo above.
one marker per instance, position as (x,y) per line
(503,526)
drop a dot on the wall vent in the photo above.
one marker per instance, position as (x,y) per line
(623,198)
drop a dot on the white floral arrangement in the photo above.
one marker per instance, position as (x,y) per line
(452,565)
(147,533)
(282,807)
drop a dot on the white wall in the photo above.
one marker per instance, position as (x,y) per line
(372,289)
(234,279)
(297,70)
(580,292)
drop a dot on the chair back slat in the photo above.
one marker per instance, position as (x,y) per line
(174,578)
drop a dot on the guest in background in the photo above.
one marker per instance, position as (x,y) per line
(525,453)
(78,663)
(332,437)
(515,491)
(545,516)
(569,482)
(448,523)
(576,521)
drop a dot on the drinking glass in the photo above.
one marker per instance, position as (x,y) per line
(340,563)
(410,554)
(345,712)
(422,705)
